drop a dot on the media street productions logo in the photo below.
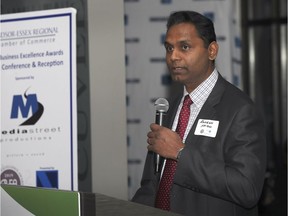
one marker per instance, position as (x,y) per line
(19,106)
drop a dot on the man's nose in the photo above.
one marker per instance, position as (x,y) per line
(175,55)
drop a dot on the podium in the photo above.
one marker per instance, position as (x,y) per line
(29,201)
(109,206)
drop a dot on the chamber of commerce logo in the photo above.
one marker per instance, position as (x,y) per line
(11,176)
(28,106)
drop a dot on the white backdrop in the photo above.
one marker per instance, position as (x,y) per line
(146,72)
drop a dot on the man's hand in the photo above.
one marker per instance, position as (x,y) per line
(164,141)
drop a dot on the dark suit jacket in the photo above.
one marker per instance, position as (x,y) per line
(221,176)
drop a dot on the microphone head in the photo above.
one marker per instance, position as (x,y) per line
(161,105)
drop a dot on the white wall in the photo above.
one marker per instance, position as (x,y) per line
(107,92)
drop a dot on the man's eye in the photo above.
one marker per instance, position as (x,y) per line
(185,47)
(169,48)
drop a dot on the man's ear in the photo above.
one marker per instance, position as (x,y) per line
(213,50)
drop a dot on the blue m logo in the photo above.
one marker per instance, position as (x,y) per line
(24,108)
(18,105)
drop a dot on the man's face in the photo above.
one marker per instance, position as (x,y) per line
(188,61)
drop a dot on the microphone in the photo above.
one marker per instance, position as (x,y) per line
(161,106)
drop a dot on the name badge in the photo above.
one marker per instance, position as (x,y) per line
(206,127)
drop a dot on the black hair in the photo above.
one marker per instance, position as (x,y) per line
(203,25)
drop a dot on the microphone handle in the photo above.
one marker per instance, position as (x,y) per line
(159,121)
(159,118)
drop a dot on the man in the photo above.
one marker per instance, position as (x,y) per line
(220,155)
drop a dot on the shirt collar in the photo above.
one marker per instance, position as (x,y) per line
(201,93)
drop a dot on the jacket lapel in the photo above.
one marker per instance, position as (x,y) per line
(208,110)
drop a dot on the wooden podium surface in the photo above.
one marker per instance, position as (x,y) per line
(108,206)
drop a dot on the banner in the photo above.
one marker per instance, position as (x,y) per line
(38,99)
